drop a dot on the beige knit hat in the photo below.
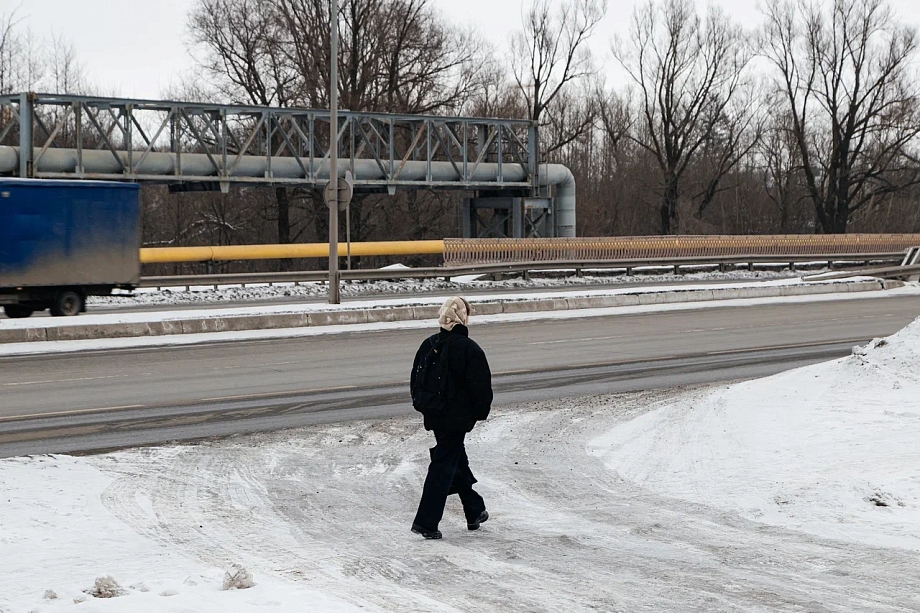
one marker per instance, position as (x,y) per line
(455,310)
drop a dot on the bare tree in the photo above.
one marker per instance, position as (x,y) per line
(241,43)
(781,167)
(242,40)
(550,56)
(693,96)
(497,95)
(551,51)
(845,72)
(9,51)
(23,59)
(395,56)
(430,67)
(65,72)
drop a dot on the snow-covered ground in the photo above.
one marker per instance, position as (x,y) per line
(282,291)
(831,449)
(60,532)
(798,492)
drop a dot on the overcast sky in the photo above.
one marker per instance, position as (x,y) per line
(138,48)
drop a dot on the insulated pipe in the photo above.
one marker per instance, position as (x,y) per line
(160,255)
(9,159)
(564,209)
(95,162)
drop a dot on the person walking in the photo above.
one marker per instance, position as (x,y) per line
(451,386)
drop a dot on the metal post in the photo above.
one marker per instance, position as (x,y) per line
(78,135)
(351,157)
(533,159)
(348,235)
(333,155)
(25,135)
(517,217)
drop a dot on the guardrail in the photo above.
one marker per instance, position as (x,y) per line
(458,252)
(882,272)
(161,255)
(467,251)
(578,266)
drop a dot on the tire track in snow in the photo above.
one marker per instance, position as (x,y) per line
(330,506)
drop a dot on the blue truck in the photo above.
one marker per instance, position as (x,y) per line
(61,241)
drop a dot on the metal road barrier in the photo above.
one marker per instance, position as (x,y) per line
(908,273)
(522,256)
(908,270)
(499,270)
(160,255)
(458,252)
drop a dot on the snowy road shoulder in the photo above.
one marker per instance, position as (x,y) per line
(829,449)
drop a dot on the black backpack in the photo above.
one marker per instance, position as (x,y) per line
(431,379)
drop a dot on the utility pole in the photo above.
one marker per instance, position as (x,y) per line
(333,156)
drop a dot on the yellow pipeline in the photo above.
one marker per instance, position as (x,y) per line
(159,255)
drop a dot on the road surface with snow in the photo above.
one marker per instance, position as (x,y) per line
(106,399)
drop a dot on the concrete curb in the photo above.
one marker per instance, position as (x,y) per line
(409,313)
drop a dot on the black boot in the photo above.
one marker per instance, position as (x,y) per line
(474,525)
(430,534)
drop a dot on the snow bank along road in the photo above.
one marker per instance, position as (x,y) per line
(829,449)
(105,399)
(153,300)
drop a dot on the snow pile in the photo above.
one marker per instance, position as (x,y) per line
(238,578)
(106,587)
(831,449)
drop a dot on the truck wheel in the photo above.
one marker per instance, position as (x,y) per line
(16,311)
(67,304)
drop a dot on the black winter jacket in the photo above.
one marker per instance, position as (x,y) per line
(469,389)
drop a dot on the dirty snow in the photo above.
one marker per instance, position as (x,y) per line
(281,291)
(797,492)
(831,449)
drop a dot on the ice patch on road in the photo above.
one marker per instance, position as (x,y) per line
(830,449)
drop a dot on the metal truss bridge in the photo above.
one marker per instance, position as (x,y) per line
(496,161)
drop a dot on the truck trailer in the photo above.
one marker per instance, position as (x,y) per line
(61,241)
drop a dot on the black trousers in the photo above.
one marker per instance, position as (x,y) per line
(449,473)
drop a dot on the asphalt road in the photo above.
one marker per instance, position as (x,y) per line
(108,399)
